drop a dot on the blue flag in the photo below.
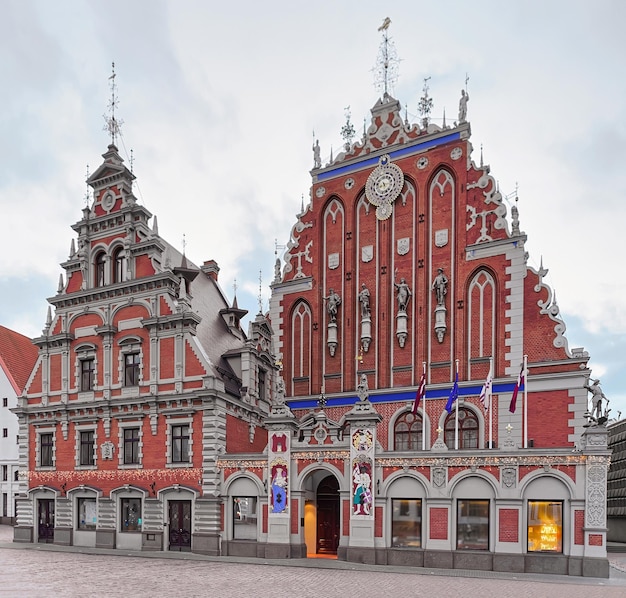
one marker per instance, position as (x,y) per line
(454,394)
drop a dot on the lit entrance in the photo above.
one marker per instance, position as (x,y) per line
(180,525)
(328,518)
(45,518)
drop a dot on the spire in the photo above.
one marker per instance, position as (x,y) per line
(260,294)
(155,226)
(386,68)
(61,285)
(112,125)
(72,249)
(48,321)
(444,119)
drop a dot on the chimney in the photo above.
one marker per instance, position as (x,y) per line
(211,269)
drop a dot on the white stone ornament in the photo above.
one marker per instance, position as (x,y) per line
(456,153)
(441,237)
(333,261)
(404,245)
(349,183)
(383,187)
(422,163)
(320,191)
(367,253)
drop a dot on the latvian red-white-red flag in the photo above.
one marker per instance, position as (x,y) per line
(419,395)
(518,386)
(485,393)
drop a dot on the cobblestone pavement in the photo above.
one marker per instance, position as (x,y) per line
(31,571)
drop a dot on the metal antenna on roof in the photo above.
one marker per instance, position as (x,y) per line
(112,125)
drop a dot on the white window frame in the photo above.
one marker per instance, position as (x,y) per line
(125,425)
(178,421)
(38,433)
(86,428)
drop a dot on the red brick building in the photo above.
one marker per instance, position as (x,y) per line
(144,377)
(404,265)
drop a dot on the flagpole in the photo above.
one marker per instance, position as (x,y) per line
(525,401)
(424,410)
(456,421)
(491,403)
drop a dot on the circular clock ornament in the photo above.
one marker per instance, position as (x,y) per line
(422,163)
(383,186)
(320,192)
(456,153)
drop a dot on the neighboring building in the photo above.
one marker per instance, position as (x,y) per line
(616,490)
(144,377)
(404,262)
(17,358)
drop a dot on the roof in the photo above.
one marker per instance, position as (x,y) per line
(18,356)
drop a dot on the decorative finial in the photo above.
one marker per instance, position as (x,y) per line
(132,160)
(235,287)
(444,119)
(113,125)
(347,131)
(260,297)
(184,244)
(87,194)
(386,69)
(425,105)
(481,156)
(302,204)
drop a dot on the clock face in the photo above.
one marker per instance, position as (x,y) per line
(383,186)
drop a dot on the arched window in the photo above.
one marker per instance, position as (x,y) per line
(119,265)
(407,432)
(99,269)
(468,429)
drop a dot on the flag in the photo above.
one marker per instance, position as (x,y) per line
(485,393)
(454,394)
(518,385)
(419,395)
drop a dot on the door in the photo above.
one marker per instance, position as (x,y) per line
(45,518)
(180,525)
(328,516)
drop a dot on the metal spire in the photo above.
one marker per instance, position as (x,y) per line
(112,125)
(425,105)
(387,63)
(260,297)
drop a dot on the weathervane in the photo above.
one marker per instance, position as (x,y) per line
(347,131)
(387,62)
(112,125)
(425,105)
(87,193)
(260,297)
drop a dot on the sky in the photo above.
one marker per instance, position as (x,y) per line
(221,102)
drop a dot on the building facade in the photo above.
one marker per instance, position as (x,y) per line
(616,488)
(144,377)
(17,358)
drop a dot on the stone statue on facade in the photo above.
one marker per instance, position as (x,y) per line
(463,106)
(596,413)
(404,294)
(280,391)
(440,286)
(334,301)
(317,160)
(363,388)
(364,300)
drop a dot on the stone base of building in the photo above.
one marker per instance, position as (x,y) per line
(105,538)
(63,536)
(208,544)
(23,534)
(152,541)
(263,550)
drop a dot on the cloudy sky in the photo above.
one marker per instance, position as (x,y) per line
(220,101)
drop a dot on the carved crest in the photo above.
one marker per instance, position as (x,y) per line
(367,253)
(404,245)
(333,261)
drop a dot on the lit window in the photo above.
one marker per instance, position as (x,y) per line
(86,514)
(406,522)
(244,518)
(468,429)
(472,525)
(408,433)
(545,526)
(131,515)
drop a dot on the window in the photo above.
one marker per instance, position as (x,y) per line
(131,515)
(180,443)
(131,446)
(5,504)
(119,265)
(86,447)
(100,265)
(5,473)
(468,429)
(406,522)
(131,369)
(545,526)
(407,432)
(46,445)
(472,525)
(5,432)
(16,475)
(244,518)
(87,370)
(5,401)
(261,384)
(86,514)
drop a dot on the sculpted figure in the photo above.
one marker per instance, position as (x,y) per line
(596,399)
(364,300)
(463,106)
(440,286)
(334,301)
(317,160)
(404,294)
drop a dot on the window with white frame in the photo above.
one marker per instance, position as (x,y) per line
(130,443)
(130,520)
(179,442)
(45,447)
(86,373)
(86,513)
(86,444)
(131,362)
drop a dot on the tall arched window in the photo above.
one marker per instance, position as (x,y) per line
(468,429)
(99,269)
(119,265)
(407,432)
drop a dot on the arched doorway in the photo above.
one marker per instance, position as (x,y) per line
(328,516)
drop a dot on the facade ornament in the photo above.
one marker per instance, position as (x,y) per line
(332,307)
(363,388)
(425,105)
(383,186)
(596,415)
(366,317)
(280,391)
(403,297)
(317,160)
(440,288)
(463,106)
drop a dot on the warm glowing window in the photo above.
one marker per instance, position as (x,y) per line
(545,526)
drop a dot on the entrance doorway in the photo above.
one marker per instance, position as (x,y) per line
(328,516)
(45,518)
(179,525)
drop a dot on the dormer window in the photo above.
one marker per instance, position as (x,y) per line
(99,269)
(119,265)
